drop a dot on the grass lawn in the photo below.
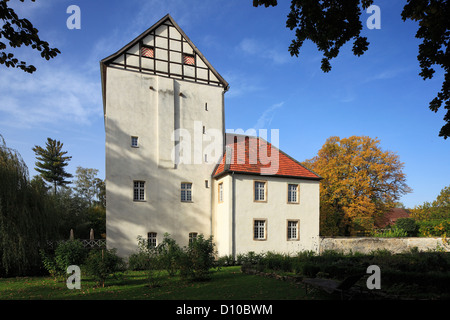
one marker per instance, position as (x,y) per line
(227,284)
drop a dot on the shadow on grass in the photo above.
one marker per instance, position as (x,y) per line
(226,284)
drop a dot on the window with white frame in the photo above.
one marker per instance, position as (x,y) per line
(220,195)
(292,230)
(192,237)
(186,192)
(151,239)
(260,190)
(292,193)
(134,142)
(259,229)
(139,191)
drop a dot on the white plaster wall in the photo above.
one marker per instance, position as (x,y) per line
(152,114)
(276,211)
(222,216)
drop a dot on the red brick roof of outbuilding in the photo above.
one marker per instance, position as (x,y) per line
(256,160)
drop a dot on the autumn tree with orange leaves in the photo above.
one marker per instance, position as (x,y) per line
(360,183)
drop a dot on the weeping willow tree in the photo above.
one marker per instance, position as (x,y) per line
(27,217)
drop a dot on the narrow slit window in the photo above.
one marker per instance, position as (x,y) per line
(134,142)
(220,192)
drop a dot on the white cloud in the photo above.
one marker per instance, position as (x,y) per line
(263,51)
(241,84)
(387,74)
(51,95)
(267,116)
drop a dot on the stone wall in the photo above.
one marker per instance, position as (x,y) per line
(395,245)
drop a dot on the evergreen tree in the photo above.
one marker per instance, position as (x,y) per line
(52,163)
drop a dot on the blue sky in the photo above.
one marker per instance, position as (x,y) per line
(378,94)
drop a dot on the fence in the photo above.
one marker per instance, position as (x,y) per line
(87,243)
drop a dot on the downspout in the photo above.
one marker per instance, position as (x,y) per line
(233,216)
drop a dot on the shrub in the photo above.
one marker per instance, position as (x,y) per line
(434,228)
(137,261)
(102,264)
(149,261)
(408,225)
(169,254)
(197,259)
(70,253)
(226,260)
(393,232)
(66,253)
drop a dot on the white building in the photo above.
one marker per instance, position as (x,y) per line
(166,162)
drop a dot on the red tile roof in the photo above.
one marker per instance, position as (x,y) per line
(270,162)
(390,217)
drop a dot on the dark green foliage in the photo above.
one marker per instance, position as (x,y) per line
(197,259)
(331,24)
(408,225)
(412,272)
(192,262)
(20,32)
(27,216)
(104,264)
(67,253)
(169,254)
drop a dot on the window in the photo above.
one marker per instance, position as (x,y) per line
(189,59)
(206,183)
(260,191)
(259,230)
(148,52)
(192,237)
(292,230)
(292,193)
(186,192)
(220,192)
(151,239)
(206,106)
(139,191)
(134,142)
